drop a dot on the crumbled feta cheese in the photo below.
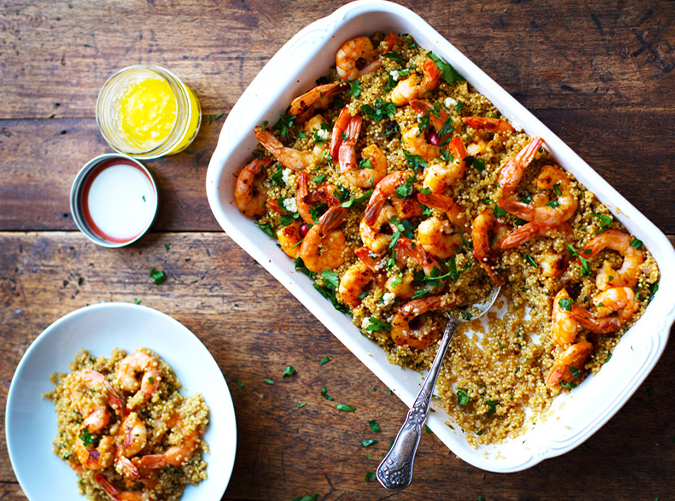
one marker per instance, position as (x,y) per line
(322,133)
(365,323)
(394,74)
(450,102)
(291,204)
(285,175)
(388,298)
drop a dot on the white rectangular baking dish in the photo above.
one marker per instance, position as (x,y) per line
(308,55)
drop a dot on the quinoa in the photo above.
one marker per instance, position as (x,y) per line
(168,420)
(494,378)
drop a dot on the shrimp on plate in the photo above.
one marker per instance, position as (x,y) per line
(360,48)
(483,250)
(290,158)
(512,171)
(128,372)
(408,329)
(440,176)
(372,169)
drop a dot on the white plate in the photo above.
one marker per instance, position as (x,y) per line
(293,70)
(31,420)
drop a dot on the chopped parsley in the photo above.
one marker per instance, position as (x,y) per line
(365,164)
(300,406)
(585,264)
(374,425)
(268,381)
(238,383)
(492,404)
(329,294)
(568,385)
(158,276)
(137,301)
(575,372)
(427,429)
(449,73)
(300,266)
(267,228)
(381,110)
(414,161)
(479,165)
(289,371)
(459,107)
(377,325)
(325,394)
(636,243)
(277,179)
(605,222)
(354,88)
(87,438)
(368,443)
(463,397)
(566,303)
(284,124)
(370,476)
(357,200)
(530,260)
(345,408)
(394,56)
(324,360)
(330,279)
(167,245)
(319,179)
(406,189)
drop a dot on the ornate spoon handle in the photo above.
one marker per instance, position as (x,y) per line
(395,470)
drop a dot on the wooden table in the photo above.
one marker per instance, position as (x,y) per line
(599,74)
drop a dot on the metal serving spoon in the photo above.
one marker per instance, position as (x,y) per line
(396,469)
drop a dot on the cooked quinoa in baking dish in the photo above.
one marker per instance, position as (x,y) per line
(402,192)
(126,430)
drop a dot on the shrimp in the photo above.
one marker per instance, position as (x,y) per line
(324,245)
(489,124)
(289,238)
(116,494)
(408,248)
(92,382)
(564,327)
(620,242)
(512,172)
(412,87)
(347,152)
(131,439)
(288,157)
(341,124)
(446,204)
(307,201)
(249,193)
(437,117)
(312,126)
(377,236)
(551,177)
(349,54)
(403,333)
(367,177)
(530,230)
(174,456)
(384,189)
(319,98)
(484,223)
(99,456)
(438,237)
(416,143)
(575,356)
(399,285)
(616,299)
(354,282)
(128,370)
(440,176)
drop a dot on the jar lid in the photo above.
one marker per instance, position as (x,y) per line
(114,200)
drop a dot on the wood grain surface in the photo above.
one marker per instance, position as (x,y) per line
(599,74)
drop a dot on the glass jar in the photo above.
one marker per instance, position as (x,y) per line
(147,112)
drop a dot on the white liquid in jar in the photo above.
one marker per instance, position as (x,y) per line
(120,202)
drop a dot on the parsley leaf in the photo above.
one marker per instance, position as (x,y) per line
(324,360)
(87,438)
(449,73)
(414,161)
(368,443)
(530,260)
(325,394)
(381,110)
(289,371)
(568,385)
(354,88)
(377,325)
(605,221)
(492,404)
(345,408)
(300,266)
(331,279)
(277,179)
(566,303)
(394,56)
(284,124)
(406,189)
(267,228)
(158,276)
(319,179)
(357,200)
(374,425)
(636,243)
(463,397)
